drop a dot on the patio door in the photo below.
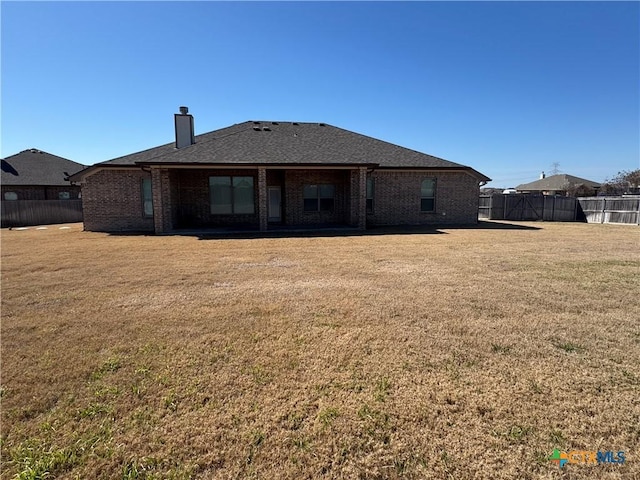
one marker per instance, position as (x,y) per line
(275,204)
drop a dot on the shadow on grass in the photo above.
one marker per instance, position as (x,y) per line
(235,233)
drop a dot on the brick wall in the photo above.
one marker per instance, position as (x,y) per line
(192,208)
(112,201)
(397,198)
(294,197)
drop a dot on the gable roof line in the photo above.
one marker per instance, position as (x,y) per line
(284,144)
(34,167)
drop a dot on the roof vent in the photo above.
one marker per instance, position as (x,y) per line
(275,123)
(266,129)
(257,129)
(184,110)
(256,123)
(295,123)
(322,124)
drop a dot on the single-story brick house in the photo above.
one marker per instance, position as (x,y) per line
(36,175)
(560,184)
(263,174)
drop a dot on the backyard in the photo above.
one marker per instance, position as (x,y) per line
(447,353)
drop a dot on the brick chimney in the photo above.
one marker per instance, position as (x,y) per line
(184,128)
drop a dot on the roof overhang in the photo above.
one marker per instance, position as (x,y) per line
(81,175)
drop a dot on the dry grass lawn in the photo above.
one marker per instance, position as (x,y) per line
(454,353)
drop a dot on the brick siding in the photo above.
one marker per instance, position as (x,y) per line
(397,198)
(294,197)
(113,202)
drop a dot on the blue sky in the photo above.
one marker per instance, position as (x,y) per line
(509,88)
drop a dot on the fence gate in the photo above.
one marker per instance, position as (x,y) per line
(523,207)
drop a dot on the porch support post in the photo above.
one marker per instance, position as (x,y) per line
(358,217)
(262,198)
(161,194)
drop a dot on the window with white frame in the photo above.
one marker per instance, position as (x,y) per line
(231,195)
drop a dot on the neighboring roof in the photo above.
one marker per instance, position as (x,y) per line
(34,167)
(286,144)
(557,182)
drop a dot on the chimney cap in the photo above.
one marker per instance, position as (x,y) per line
(184,110)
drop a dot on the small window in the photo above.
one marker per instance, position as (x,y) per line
(231,195)
(147,198)
(10,196)
(428,195)
(64,195)
(319,198)
(370,189)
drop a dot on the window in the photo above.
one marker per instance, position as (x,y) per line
(147,198)
(231,195)
(319,198)
(10,196)
(370,188)
(428,195)
(64,196)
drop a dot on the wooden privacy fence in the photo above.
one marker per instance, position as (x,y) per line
(611,209)
(19,213)
(500,206)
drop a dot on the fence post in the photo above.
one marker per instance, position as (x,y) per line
(604,208)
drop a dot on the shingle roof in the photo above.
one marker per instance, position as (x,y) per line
(557,182)
(287,143)
(34,167)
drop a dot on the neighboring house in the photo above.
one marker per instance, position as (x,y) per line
(260,174)
(36,175)
(561,184)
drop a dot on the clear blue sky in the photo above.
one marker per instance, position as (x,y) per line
(508,88)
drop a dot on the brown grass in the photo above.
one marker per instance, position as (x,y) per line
(459,353)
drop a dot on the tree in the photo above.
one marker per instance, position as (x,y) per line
(626,181)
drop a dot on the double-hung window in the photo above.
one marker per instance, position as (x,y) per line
(428,195)
(231,195)
(319,198)
(370,191)
(147,198)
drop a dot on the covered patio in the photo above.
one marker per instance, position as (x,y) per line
(258,198)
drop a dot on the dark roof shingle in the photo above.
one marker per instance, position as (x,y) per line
(35,167)
(557,182)
(287,143)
